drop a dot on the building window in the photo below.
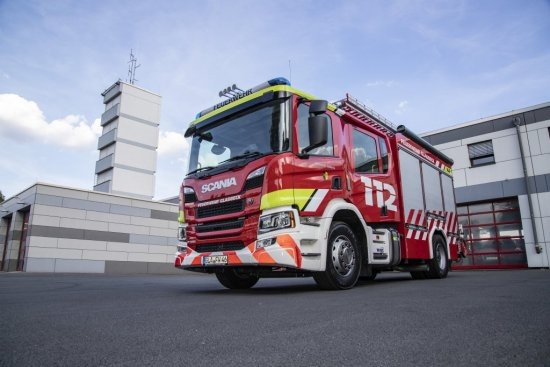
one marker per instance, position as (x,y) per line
(481,153)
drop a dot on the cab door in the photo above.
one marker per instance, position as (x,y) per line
(374,189)
(319,177)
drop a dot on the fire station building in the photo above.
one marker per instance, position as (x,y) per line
(114,228)
(502,186)
(501,178)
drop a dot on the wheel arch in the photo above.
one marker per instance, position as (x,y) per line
(352,220)
(342,211)
(443,235)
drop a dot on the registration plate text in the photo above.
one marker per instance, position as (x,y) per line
(215,260)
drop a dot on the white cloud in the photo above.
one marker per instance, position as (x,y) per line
(21,119)
(401,107)
(172,143)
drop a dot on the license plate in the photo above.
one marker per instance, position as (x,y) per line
(215,260)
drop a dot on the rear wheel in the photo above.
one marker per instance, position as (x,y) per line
(233,279)
(419,275)
(343,259)
(439,265)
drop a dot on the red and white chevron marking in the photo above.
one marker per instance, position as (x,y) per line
(418,217)
(415,217)
(284,252)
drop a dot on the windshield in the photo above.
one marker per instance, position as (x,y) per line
(259,131)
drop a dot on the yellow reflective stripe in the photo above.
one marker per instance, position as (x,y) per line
(276,88)
(283,197)
(181,217)
(302,196)
(277,198)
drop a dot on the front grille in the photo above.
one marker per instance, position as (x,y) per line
(222,246)
(220,225)
(220,209)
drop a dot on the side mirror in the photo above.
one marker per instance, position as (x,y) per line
(318,107)
(318,132)
(190,131)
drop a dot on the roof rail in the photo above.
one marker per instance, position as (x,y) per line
(359,110)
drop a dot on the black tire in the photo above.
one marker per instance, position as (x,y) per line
(369,277)
(232,279)
(439,265)
(343,264)
(419,275)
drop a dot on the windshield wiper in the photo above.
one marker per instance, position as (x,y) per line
(241,156)
(200,169)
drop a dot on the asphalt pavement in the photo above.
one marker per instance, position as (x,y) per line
(482,318)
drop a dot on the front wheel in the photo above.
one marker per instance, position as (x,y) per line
(233,279)
(372,275)
(343,263)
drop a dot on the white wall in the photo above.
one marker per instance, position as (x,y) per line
(541,212)
(133,156)
(138,132)
(118,230)
(139,183)
(139,103)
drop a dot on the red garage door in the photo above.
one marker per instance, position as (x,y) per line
(494,235)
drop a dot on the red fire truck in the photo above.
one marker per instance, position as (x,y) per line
(283,184)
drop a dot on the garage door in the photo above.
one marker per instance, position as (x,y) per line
(494,235)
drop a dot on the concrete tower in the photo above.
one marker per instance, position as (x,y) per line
(128,146)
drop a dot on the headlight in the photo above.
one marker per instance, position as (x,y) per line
(255,179)
(259,172)
(189,195)
(276,221)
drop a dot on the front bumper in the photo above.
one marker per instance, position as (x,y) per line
(284,252)
(302,247)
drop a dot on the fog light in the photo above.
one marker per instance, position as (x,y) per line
(311,221)
(265,243)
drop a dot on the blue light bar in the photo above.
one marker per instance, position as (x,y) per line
(279,81)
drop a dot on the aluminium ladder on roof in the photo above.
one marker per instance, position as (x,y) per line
(358,110)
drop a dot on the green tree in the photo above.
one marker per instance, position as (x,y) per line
(1,197)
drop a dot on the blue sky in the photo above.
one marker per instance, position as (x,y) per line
(424,64)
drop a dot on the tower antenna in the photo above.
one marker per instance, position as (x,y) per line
(133,65)
(290,71)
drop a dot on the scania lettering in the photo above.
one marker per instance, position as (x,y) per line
(222,184)
(282,184)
